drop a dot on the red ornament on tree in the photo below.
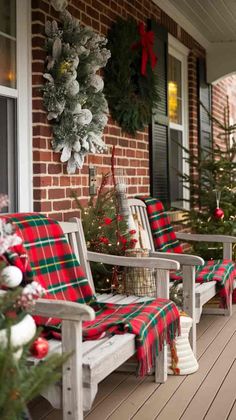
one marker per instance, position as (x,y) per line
(218,213)
(39,348)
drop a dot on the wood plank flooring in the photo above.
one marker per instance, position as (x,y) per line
(208,394)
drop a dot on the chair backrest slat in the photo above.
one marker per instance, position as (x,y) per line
(75,234)
(138,207)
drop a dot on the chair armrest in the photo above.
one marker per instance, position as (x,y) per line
(160,262)
(65,310)
(72,315)
(183,259)
(161,265)
(206,238)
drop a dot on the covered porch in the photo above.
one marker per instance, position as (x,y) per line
(196,31)
(208,394)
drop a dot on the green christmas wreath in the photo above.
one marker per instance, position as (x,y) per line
(129,79)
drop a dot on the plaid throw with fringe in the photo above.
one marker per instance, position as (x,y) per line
(52,262)
(163,234)
(56,268)
(153,323)
(221,271)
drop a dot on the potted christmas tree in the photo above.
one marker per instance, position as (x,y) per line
(212,184)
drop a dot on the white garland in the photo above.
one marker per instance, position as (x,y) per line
(73,91)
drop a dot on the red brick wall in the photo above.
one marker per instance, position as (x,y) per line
(51,183)
(220,91)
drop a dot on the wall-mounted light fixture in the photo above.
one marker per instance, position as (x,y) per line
(92,180)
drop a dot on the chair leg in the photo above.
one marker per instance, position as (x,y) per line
(161,366)
(193,338)
(229,311)
(189,302)
(72,386)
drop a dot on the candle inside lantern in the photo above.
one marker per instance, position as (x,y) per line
(120,180)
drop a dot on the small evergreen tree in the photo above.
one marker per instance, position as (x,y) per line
(20,381)
(106,231)
(212,185)
(106,228)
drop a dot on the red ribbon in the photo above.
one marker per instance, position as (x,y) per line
(147,43)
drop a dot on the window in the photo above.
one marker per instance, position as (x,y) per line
(178,120)
(169,126)
(8,164)
(8,94)
(15,120)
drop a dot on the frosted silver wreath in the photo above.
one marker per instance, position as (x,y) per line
(73,92)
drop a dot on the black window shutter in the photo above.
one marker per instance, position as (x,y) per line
(159,127)
(205,124)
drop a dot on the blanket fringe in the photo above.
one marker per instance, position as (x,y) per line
(147,361)
(174,359)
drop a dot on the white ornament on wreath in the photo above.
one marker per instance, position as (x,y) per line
(84,117)
(11,276)
(73,94)
(97,82)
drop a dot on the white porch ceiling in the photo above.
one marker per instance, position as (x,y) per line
(215,19)
(213,24)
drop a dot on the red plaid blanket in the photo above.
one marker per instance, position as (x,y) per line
(163,234)
(152,323)
(221,271)
(52,262)
(56,268)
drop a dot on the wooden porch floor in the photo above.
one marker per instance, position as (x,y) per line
(208,394)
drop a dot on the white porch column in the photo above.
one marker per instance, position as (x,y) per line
(221,60)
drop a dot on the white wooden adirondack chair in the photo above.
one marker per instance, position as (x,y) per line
(92,361)
(195,295)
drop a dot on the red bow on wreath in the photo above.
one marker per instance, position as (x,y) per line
(146,42)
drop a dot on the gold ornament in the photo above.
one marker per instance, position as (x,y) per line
(64,67)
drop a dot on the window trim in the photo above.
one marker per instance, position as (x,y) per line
(24,105)
(179,51)
(23,94)
(9,92)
